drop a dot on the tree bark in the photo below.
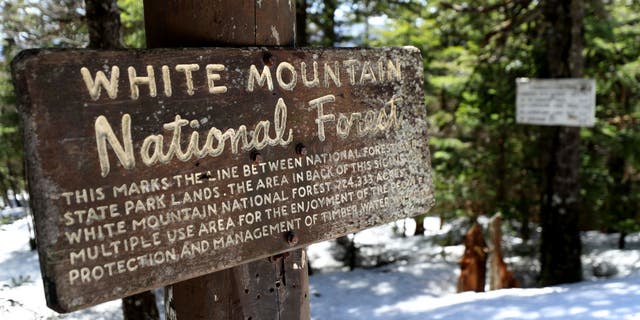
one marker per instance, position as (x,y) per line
(419,225)
(274,288)
(350,257)
(11,180)
(560,244)
(473,265)
(103,21)
(499,275)
(621,240)
(141,306)
(5,198)
(328,28)
(301,23)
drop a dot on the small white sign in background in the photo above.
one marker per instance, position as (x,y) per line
(556,102)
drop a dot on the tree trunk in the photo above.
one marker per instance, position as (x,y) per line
(473,265)
(619,206)
(501,171)
(419,225)
(301,23)
(621,240)
(350,257)
(11,179)
(141,306)
(103,21)
(5,198)
(329,26)
(560,244)
(523,213)
(274,288)
(499,275)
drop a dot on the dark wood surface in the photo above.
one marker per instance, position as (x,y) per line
(279,289)
(273,288)
(188,23)
(359,181)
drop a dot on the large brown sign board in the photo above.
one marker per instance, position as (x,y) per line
(151,167)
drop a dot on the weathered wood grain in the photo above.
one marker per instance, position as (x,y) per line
(372,170)
(187,23)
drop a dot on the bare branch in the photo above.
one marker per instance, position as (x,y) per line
(506,27)
(479,9)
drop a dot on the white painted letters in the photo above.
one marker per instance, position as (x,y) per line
(94,86)
(134,81)
(105,134)
(187,69)
(152,149)
(212,77)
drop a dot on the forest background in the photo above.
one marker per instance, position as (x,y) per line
(483,162)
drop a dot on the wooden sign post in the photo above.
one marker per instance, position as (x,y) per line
(148,168)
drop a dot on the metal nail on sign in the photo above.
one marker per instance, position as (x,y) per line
(151,167)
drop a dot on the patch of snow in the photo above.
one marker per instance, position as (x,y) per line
(417,280)
(21,288)
(17,212)
(610,299)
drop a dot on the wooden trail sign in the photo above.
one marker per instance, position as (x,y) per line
(151,167)
(556,102)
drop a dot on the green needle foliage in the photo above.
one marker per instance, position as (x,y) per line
(39,24)
(483,161)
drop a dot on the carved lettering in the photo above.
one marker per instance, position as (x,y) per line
(152,150)
(94,86)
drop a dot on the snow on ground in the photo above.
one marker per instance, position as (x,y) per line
(611,299)
(21,289)
(423,286)
(400,278)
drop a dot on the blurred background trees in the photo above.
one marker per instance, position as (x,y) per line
(483,162)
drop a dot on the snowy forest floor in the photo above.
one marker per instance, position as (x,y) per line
(397,278)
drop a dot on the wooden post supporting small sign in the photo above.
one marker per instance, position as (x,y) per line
(151,167)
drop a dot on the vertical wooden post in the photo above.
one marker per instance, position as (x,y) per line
(277,288)
(103,21)
(560,245)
